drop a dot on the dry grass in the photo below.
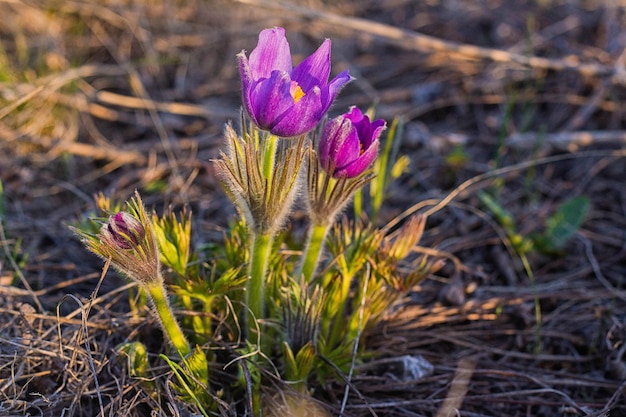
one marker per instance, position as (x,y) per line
(525,98)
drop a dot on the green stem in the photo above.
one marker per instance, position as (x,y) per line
(166,317)
(255,293)
(270,143)
(311,257)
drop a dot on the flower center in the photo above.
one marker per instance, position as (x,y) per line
(296,92)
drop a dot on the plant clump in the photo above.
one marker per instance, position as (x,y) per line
(285,322)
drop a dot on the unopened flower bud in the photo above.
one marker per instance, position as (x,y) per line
(124,230)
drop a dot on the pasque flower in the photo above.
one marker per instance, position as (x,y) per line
(349,144)
(283,100)
(127,239)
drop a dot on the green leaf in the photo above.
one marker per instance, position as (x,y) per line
(198,366)
(174,237)
(563,224)
(137,357)
(299,366)
(187,385)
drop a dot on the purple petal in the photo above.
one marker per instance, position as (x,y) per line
(302,117)
(346,149)
(332,89)
(271,53)
(339,144)
(368,131)
(355,115)
(270,99)
(362,124)
(315,69)
(117,239)
(327,137)
(359,165)
(377,128)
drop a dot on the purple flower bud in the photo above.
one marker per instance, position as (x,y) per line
(349,144)
(283,100)
(123,230)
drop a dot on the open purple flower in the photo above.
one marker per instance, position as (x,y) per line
(283,100)
(349,144)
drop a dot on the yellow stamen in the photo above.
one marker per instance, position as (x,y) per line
(296,92)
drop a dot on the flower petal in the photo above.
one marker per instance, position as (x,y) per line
(355,115)
(376,128)
(359,165)
(368,131)
(271,53)
(362,124)
(338,145)
(333,88)
(346,149)
(270,99)
(302,117)
(315,69)
(349,143)
(287,102)
(327,137)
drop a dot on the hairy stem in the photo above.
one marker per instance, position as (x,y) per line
(255,292)
(311,257)
(270,144)
(166,317)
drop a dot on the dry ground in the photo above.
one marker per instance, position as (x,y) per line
(524,99)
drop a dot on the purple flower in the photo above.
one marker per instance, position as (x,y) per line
(349,144)
(123,231)
(283,100)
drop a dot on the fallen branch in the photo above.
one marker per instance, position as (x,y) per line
(408,39)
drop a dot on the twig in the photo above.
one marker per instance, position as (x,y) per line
(416,41)
(598,272)
(570,141)
(184,109)
(16,267)
(466,185)
(583,114)
(166,141)
(611,402)
(56,81)
(84,316)
(458,388)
